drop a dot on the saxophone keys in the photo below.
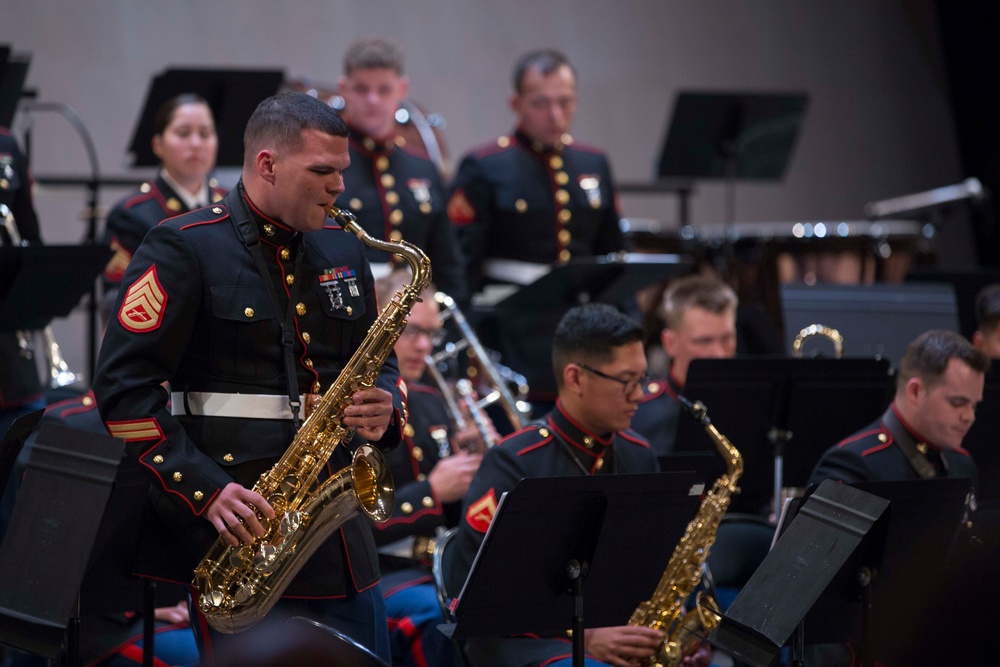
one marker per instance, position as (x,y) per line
(213,599)
(239,557)
(243,593)
(264,557)
(290,523)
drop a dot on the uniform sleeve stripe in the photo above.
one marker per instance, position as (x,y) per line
(144,429)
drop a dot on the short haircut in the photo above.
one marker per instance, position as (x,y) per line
(373,53)
(988,308)
(165,114)
(278,122)
(545,61)
(698,291)
(387,286)
(590,334)
(928,355)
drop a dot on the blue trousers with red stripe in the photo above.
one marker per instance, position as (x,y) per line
(414,613)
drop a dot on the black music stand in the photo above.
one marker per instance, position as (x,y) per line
(582,530)
(732,136)
(521,326)
(232,94)
(782,413)
(847,571)
(45,551)
(39,283)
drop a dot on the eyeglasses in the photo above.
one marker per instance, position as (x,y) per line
(629,385)
(415,331)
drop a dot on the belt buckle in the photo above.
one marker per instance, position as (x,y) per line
(310,403)
(423,548)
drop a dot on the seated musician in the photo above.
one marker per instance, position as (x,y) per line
(600,367)
(987,335)
(431,473)
(700,314)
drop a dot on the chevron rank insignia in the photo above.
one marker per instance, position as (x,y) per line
(143,305)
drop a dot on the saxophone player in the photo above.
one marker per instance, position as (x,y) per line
(600,366)
(432,470)
(241,306)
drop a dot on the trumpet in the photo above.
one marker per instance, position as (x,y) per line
(822,331)
(497,377)
(59,373)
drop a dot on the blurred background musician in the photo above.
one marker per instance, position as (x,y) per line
(535,197)
(394,189)
(938,386)
(20,381)
(987,335)
(431,470)
(185,141)
(700,315)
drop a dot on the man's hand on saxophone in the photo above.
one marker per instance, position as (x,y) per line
(370,413)
(233,516)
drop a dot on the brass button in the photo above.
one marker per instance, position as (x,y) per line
(566,139)
(653,387)
(406,508)
(286,254)
(399,140)
(425,207)
(198,495)
(355,203)
(174,204)
(396,216)
(308,362)
(388,181)
(157,459)
(228,458)
(391,197)
(600,463)
(300,308)
(217,210)
(882,437)
(349,311)
(289,279)
(269,229)
(306,338)
(428,501)
(396,235)
(564,256)
(4,184)
(421,477)
(556,162)
(382,163)
(369,143)
(87,400)
(564,236)
(144,188)
(564,215)
(408,430)
(588,442)
(216,197)
(544,432)
(922,447)
(316,387)
(418,454)
(503,142)
(562,196)
(248,311)
(178,477)
(562,178)
(521,206)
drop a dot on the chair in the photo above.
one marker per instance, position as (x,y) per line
(447,588)
(741,543)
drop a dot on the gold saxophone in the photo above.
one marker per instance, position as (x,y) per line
(665,610)
(239,585)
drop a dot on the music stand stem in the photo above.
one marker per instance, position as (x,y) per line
(576,572)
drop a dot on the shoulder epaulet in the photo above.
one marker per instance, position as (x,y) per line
(653,389)
(502,143)
(201,216)
(865,434)
(585,148)
(418,152)
(424,389)
(633,437)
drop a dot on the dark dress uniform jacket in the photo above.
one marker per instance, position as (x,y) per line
(193,311)
(516,200)
(396,193)
(555,447)
(888,450)
(19,381)
(130,219)
(658,414)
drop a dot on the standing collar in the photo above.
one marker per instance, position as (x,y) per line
(579,439)
(540,148)
(269,230)
(370,145)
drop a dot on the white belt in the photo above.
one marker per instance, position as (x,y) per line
(514,271)
(380,269)
(245,406)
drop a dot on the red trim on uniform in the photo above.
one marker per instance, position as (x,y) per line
(912,430)
(141,197)
(134,653)
(407,519)
(537,445)
(224,216)
(493,148)
(78,410)
(426,579)
(639,441)
(153,426)
(204,633)
(877,448)
(266,217)
(411,632)
(864,434)
(128,649)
